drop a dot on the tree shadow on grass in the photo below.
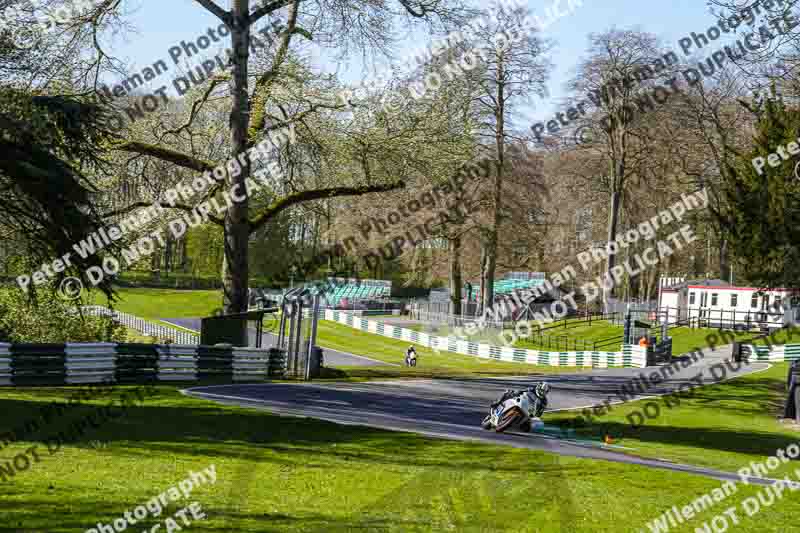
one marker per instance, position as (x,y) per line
(211,430)
(756,397)
(45,516)
(197,428)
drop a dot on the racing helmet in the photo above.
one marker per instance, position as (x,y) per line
(542,389)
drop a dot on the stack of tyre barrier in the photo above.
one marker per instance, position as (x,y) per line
(663,351)
(177,362)
(250,364)
(79,363)
(792,408)
(38,364)
(5,364)
(136,363)
(317,362)
(277,363)
(215,362)
(90,363)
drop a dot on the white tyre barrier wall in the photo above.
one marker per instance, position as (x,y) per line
(628,356)
(90,363)
(177,362)
(250,364)
(5,364)
(97,363)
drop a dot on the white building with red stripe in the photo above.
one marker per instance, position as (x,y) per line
(715,303)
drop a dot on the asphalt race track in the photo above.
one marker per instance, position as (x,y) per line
(453,408)
(332,357)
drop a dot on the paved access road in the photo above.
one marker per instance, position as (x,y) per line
(332,357)
(453,408)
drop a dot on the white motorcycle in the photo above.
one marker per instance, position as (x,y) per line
(521,410)
(411,357)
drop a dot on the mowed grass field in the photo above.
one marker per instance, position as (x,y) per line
(429,363)
(289,474)
(719,426)
(155,304)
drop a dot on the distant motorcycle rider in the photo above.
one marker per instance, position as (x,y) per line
(411,356)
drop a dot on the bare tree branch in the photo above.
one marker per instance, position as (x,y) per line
(268,8)
(319,194)
(166,154)
(223,15)
(137,205)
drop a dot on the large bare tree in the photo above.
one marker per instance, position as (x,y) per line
(616,56)
(253,96)
(514,69)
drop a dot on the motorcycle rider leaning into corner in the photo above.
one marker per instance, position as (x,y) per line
(538,394)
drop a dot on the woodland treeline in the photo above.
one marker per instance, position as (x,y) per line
(363,149)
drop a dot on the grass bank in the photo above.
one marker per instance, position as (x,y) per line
(430,364)
(300,475)
(723,426)
(155,304)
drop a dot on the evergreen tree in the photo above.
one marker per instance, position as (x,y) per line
(762,203)
(47,146)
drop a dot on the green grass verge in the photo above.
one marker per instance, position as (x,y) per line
(163,303)
(135,336)
(430,364)
(279,474)
(721,426)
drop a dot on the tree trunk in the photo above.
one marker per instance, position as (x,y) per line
(651,278)
(724,260)
(155,259)
(237,227)
(168,255)
(613,222)
(455,276)
(489,246)
(184,253)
